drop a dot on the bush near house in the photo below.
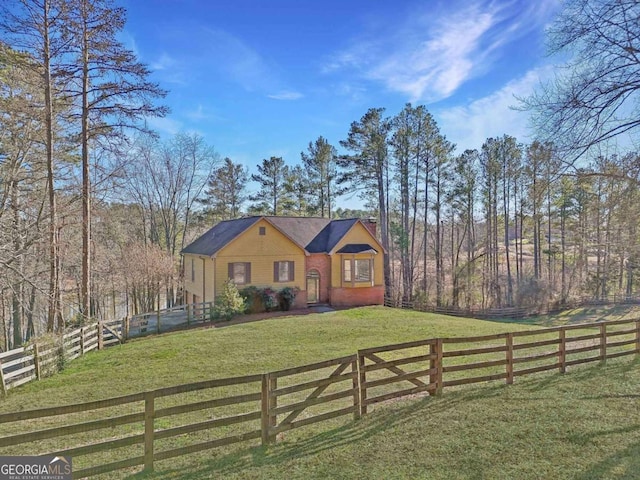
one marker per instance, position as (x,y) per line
(229,303)
(267,299)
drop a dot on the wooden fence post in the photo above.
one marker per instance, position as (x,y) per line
(273,404)
(264,420)
(81,340)
(362,380)
(3,385)
(36,359)
(509,358)
(149,414)
(603,342)
(562,350)
(158,318)
(125,329)
(100,335)
(188,313)
(637,337)
(356,389)
(436,363)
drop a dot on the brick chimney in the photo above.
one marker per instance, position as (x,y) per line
(371,225)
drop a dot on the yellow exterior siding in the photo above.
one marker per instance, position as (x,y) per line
(195,283)
(358,234)
(262,251)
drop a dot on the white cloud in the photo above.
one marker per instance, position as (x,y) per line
(238,61)
(129,42)
(491,116)
(165,125)
(286,95)
(197,114)
(164,62)
(435,68)
(431,54)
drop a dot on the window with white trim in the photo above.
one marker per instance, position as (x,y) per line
(357,270)
(363,270)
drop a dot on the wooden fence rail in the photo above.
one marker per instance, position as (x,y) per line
(45,355)
(512,312)
(261,406)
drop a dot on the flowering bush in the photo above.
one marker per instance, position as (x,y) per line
(267,299)
(287,296)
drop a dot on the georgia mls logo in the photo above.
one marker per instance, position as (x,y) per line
(35,468)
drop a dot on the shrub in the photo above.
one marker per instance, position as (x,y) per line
(287,295)
(269,299)
(229,303)
(252,299)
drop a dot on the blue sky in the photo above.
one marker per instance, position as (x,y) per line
(259,78)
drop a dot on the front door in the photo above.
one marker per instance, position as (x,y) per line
(313,287)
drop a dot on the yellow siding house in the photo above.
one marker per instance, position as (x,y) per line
(336,262)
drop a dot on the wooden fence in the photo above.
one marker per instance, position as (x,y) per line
(513,312)
(166,423)
(45,355)
(166,319)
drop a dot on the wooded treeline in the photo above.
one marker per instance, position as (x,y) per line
(95,208)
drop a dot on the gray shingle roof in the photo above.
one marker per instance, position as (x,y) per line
(357,248)
(301,230)
(315,235)
(218,236)
(330,235)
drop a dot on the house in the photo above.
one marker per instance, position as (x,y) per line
(336,262)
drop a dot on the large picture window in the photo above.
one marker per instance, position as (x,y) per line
(283,271)
(358,270)
(240,273)
(363,270)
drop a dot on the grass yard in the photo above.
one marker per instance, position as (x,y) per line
(582,425)
(581,315)
(203,354)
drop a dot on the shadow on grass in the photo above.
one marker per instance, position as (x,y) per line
(375,423)
(621,464)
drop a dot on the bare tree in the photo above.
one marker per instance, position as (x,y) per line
(594,97)
(35,26)
(112,92)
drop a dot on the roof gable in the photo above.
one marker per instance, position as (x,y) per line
(219,236)
(330,235)
(314,235)
(301,230)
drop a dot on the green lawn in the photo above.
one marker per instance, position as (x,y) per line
(588,314)
(585,424)
(259,347)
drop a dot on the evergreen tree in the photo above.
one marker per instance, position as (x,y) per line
(272,196)
(320,165)
(226,190)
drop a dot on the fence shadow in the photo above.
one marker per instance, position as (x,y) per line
(377,423)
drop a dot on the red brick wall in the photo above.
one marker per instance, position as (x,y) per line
(354,297)
(371,225)
(300,300)
(322,263)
